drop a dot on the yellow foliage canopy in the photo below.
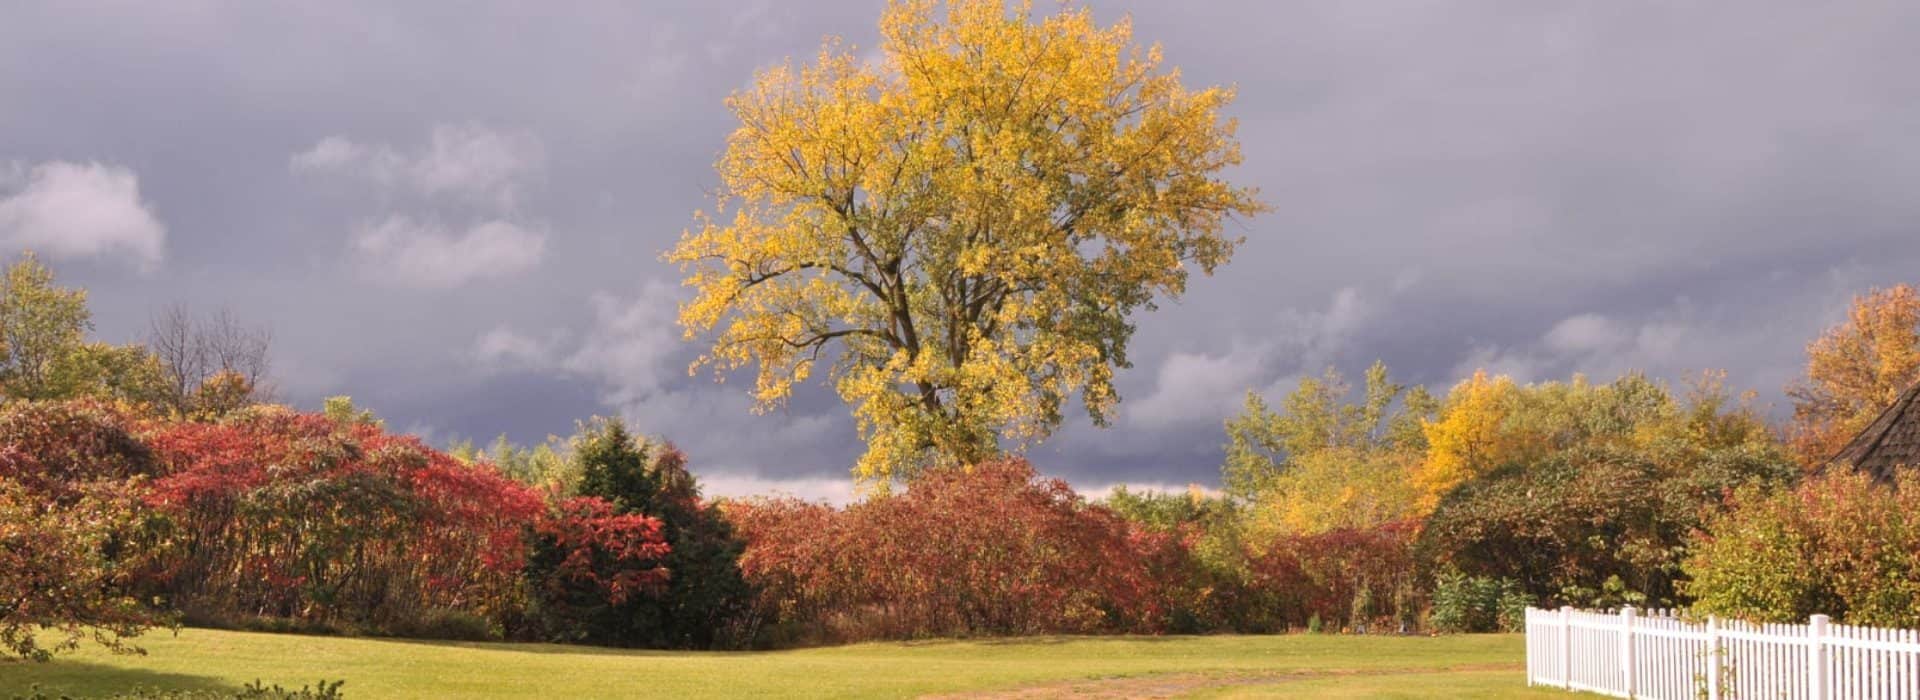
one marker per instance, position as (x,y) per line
(1469,437)
(970,220)
(1855,370)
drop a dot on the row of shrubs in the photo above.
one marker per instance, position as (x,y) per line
(277,520)
(112,522)
(274,519)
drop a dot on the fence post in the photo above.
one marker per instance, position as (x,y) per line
(1713,658)
(1817,657)
(1566,647)
(1626,649)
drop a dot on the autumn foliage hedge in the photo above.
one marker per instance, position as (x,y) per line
(294,516)
(987,550)
(111,523)
(73,528)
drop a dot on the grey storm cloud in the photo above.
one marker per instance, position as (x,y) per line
(454,211)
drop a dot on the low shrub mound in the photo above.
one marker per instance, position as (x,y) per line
(1841,544)
(298,517)
(74,528)
(987,550)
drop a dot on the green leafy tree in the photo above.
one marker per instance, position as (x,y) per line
(340,409)
(1325,463)
(125,373)
(41,325)
(542,465)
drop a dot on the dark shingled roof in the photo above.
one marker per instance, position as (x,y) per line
(1893,440)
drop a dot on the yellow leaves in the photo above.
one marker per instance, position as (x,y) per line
(1469,438)
(1856,369)
(1339,488)
(960,228)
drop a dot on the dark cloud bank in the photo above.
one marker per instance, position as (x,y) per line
(454,211)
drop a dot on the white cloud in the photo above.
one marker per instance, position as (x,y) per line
(634,352)
(1671,342)
(1202,387)
(506,346)
(79,210)
(331,153)
(425,254)
(1100,492)
(632,346)
(1584,333)
(1198,387)
(469,162)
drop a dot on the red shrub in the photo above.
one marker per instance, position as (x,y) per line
(613,556)
(53,448)
(291,515)
(72,528)
(983,550)
(1345,577)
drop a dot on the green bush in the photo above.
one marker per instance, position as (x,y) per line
(1593,527)
(1463,603)
(1840,545)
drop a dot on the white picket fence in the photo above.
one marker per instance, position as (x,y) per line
(1655,654)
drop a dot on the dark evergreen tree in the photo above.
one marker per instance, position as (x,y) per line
(705,592)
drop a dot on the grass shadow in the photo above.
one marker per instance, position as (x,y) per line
(1045,640)
(542,647)
(80,679)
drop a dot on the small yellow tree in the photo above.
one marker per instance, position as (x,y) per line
(969,220)
(1469,438)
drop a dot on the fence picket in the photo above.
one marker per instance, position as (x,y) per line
(1656,654)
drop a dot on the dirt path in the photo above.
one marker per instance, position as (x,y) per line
(1170,685)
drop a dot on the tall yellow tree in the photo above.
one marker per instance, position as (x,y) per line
(957,232)
(1855,370)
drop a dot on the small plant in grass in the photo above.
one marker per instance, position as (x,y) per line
(1463,603)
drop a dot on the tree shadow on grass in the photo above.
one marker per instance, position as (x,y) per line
(80,679)
(1045,640)
(544,647)
(590,650)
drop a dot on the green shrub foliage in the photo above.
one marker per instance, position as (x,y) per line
(1463,603)
(1592,526)
(1842,545)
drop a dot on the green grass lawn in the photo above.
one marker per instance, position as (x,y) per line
(1215,666)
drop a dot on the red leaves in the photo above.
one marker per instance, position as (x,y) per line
(986,550)
(618,554)
(70,525)
(291,514)
(1324,574)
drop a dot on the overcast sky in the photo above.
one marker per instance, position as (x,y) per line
(454,212)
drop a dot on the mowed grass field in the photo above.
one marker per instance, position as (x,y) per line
(1484,666)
